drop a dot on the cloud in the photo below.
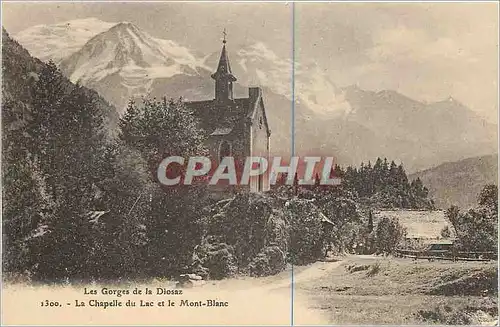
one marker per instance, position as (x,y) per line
(417,46)
(313,86)
(431,62)
(428,51)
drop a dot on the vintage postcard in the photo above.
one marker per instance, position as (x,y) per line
(249,163)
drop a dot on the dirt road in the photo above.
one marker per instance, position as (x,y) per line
(250,301)
(269,300)
(324,293)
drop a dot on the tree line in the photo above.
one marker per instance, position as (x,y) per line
(383,185)
(475,229)
(80,205)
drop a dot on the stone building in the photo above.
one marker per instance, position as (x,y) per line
(237,127)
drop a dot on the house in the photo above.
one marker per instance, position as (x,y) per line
(236,127)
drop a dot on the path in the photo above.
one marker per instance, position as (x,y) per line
(251,301)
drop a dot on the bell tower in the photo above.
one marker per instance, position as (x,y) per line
(223,77)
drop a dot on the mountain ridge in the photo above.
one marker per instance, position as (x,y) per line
(459,182)
(349,123)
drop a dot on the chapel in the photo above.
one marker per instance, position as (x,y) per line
(236,127)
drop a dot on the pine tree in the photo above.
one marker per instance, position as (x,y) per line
(338,171)
(393,175)
(126,189)
(157,129)
(378,175)
(46,124)
(402,178)
(295,184)
(129,131)
(386,185)
(370,221)
(66,129)
(23,202)
(369,182)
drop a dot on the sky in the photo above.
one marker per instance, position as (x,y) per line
(428,51)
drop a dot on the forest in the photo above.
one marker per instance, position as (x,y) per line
(81,201)
(84,204)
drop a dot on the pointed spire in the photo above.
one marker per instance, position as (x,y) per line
(224,67)
(223,77)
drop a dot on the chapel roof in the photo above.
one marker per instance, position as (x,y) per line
(221,115)
(219,119)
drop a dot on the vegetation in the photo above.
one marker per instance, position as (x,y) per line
(388,235)
(403,289)
(383,186)
(55,162)
(80,204)
(97,212)
(477,229)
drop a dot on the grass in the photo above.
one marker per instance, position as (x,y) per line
(402,291)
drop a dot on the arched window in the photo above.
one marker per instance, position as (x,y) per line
(224,150)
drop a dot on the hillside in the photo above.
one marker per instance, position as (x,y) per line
(459,183)
(19,74)
(363,290)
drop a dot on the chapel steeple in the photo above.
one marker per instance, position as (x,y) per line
(223,77)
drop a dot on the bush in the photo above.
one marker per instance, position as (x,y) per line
(477,229)
(218,260)
(268,262)
(478,283)
(445,232)
(306,231)
(388,235)
(265,231)
(356,268)
(445,315)
(374,269)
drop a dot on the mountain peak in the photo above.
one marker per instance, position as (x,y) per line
(451,99)
(125,25)
(126,30)
(126,52)
(123,47)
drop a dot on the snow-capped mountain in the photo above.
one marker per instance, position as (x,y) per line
(58,41)
(130,60)
(120,61)
(105,51)
(127,50)
(257,64)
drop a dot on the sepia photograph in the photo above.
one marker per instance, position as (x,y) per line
(196,163)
